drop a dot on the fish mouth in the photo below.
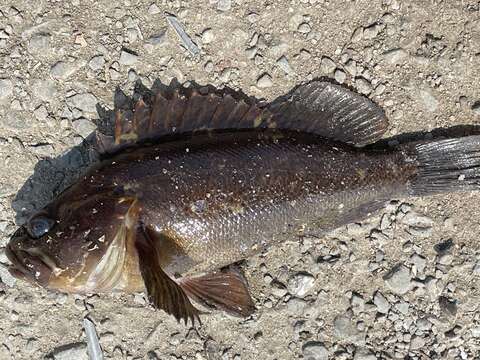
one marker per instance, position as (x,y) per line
(30,264)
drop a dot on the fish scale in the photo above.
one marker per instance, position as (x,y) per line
(294,179)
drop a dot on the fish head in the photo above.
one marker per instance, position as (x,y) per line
(78,243)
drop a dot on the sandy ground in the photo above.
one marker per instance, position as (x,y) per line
(402,285)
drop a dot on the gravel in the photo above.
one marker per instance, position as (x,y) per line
(346,330)
(340,76)
(363,86)
(84,127)
(313,350)
(476,107)
(39,43)
(398,279)
(364,355)
(6,88)
(224,5)
(264,81)
(86,102)
(284,64)
(327,65)
(429,101)
(128,58)
(77,351)
(382,304)
(301,284)
(97,63)
(402,283)
(44,90)
(395,56)
(63,70)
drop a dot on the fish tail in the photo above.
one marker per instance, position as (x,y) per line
(446,166)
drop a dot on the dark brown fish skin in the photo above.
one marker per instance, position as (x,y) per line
(213,199)
(88,216)
(219,198)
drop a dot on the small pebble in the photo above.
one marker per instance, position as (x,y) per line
(301,284)
(86,102)
(418,225)
(44,90)
(416,343)
(351,67)
(314,350)
(363,86)
(41,113)
(327,65)
(208,66)
(208,36)
(448,306)
(357,35)
(444,246)
(395,56)
(39,43)
(429,101)
(364,355)
(283,64)
(62,70)
(264,81)
(96,63)
(419,262)
(304,28)
(371,31)
(77,351)
(157,39)
(445,259)
(476,107)
(398,279)
(6,88)
(127,58)
(153,9)
(224,5)
(382,304)
(340,76)
(346,330)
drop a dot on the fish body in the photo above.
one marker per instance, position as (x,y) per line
(170,215)
(223,198)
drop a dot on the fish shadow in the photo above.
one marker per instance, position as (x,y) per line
(52,175)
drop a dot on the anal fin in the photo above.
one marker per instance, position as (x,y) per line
(163,292)
(225,289)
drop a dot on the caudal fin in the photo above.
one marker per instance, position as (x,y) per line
(447,165)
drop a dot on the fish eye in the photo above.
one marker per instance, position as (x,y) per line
(39,226)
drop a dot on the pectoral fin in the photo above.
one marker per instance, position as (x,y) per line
(163,292)
(226,290)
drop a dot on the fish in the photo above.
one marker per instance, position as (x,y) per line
(196,179)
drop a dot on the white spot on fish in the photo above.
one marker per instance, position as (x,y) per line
(95,247)
(198,206)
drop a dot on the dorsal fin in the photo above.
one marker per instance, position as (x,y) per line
(331,111)
(317,107)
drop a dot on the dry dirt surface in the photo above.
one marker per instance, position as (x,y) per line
(402,285)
